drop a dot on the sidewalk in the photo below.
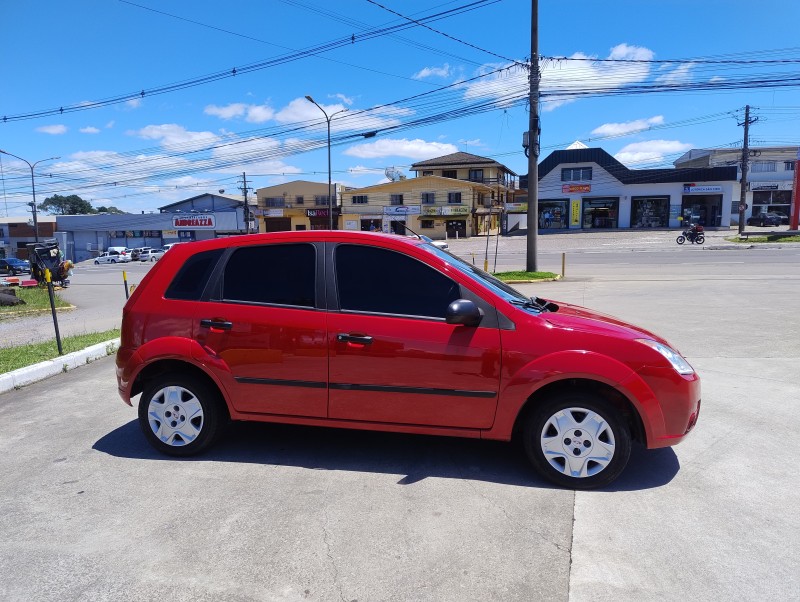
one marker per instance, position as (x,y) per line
(31,374)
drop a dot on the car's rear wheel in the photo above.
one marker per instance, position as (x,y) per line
(179,415)
(577,440)
(113,261)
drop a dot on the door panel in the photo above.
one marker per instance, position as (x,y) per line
(413,371)
(274,360)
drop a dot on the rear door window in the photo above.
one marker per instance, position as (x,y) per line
(275,274)
(191,279)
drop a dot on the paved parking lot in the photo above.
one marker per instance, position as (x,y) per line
(88,511)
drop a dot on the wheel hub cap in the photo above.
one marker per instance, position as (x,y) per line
(577,442)
(175,416)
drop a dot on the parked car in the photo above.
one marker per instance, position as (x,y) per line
(110,257)
(764,219)
(151,255)
(136,253)
(14,266)
(442,244)
(782,215)
(168,246)
(389,333)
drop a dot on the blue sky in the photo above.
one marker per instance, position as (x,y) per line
(156,149)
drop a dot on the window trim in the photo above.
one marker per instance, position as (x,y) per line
(571,172)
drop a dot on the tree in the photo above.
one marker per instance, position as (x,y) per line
(110,209)
(66,205)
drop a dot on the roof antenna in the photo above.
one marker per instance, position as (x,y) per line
(410,230)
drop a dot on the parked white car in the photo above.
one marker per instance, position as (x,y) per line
(112,257)
(151,255)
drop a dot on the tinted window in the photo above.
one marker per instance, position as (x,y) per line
(382,281)
(190,281)
(277,274)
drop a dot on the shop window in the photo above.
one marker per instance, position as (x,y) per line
(600,213)
(450,173)
(426,224)
(454,198)
(396,199)
(287,275)
(415,289)
(360,199)
(650,212)
(763,166)
(576,174)
(428,198)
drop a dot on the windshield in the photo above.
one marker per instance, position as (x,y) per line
(485,279)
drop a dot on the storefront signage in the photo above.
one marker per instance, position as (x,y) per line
(762,186)
(517,207)
(193,222)
(272,213)
(569,188)
(695,189)
(316,213)
(575,215)
(169,233)
(454,210)
(402,210)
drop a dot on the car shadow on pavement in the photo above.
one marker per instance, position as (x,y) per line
(416,456)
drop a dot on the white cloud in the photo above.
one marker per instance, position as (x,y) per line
(679,75)
(52,129)
(651,151)
(443,71)
(360,171)
(348,100)
(134,103)
(89,130)
(256,155)
(620,129)
(716,79)
(169,134)
(110,125)
(300,109)
(413,149)
(251,113)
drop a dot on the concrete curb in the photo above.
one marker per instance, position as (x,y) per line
(31,374)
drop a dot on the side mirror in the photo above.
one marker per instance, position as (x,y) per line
(464,311)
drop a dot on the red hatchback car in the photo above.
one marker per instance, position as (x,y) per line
(373,331)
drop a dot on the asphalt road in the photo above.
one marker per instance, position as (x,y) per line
(89,512)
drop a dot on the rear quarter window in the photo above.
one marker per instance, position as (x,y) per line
(191,279)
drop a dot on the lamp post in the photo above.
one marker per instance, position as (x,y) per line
(328,119)
(33,189)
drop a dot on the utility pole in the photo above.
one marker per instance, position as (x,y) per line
(244,190)
(33,189)
(534,130)
(745,156)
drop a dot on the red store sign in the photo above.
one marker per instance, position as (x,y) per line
(193,222)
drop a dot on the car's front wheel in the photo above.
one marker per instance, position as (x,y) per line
(577,440)
(180,415)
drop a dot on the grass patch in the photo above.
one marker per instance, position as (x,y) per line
(35,298)
(765,238)
(506,276)
(12,358)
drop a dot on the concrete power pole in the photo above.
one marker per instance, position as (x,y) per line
(246,204)
(534,129)
(745,156)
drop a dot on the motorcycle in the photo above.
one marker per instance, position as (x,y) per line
(694,234)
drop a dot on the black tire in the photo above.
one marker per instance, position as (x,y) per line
(603,432)
(700,239)
(14,272)
(191,431)
(681,239)
(96,262)
(113,261)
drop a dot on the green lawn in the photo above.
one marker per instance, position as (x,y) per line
(12,358)
(765,238)
(506,276)
(35,298)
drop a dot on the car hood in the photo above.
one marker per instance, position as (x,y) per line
(575,317)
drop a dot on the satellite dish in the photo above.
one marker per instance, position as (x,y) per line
(394,174)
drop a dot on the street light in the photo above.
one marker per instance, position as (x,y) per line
(33,189)
(328,119)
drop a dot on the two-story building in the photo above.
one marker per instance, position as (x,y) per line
(298,205)
(587,188)
(770,176)
(17,232)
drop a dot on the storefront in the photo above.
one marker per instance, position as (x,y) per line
(371,223)
(600,213)
(701,205)
(319,219)
(553,214)
(396,216)
(650,212)
(771,197)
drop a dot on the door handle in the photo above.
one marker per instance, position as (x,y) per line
(343,337)
(216,324)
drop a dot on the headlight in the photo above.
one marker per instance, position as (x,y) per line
(675,359)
